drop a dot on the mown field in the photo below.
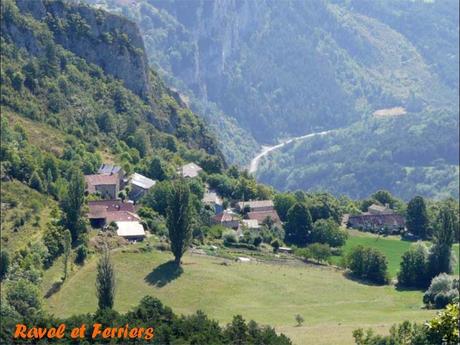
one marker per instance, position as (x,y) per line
(332,305)
(391,246)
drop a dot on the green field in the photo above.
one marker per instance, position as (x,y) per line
(331,304)
(392,247)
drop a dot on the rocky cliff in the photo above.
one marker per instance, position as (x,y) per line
(107,40)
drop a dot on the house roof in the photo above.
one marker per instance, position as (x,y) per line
(212,198)
(130,229)
(260,216)
(121,216)
(379,209)
(99,209)
(142,181)
(226,216)
(108,169)
(190,170)
(255,204)
(98,180)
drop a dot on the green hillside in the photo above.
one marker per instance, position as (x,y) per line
(269,293)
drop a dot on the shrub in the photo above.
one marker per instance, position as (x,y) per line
(442,291)
(320,252)
(229,237)
(368,263)
(82,254)
(413,272)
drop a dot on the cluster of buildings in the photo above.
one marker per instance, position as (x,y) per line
(110,180)
(376,219)
(248,215)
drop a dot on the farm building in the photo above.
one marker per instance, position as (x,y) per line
(256,205)
(131,230)
(139,186)
(190,170)
(103,212)
(211,199)
(107,186)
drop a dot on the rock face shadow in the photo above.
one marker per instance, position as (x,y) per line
(164,274)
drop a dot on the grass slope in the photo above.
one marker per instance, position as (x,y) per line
(392,247)
(331,305)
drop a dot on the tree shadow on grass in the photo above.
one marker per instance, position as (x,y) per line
(164,274)
(354,278)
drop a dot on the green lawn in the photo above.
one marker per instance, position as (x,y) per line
(332,305)
(392,247)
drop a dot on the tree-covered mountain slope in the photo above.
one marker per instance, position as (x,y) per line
(403,154)
(100,92)
(287,68)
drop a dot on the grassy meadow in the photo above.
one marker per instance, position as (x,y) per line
(332,305)
(391,246)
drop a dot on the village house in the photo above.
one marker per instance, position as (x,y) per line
(214,201)
(377,218)
(379,209)
(108,169)
(140,184)
(265,217)
(130,230)
(228,219)
(189,170)
(103,212)
(107,186)
(255,205)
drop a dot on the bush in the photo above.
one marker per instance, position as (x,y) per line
(413,271)
(368,263)
(320,252)
(82,254)
(442,291)
(229,237)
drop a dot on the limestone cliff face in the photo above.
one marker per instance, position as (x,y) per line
(107,40)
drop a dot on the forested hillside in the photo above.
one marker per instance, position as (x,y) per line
(286,68)
(61,111)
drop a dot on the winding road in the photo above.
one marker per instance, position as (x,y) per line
(267,149)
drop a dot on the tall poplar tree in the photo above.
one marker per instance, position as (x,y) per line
(179,219)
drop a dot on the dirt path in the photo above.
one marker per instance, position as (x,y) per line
(267,149)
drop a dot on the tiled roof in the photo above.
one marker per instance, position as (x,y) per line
(108,209)
(262,215)
(97,180)
(226,217)
(121,216)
